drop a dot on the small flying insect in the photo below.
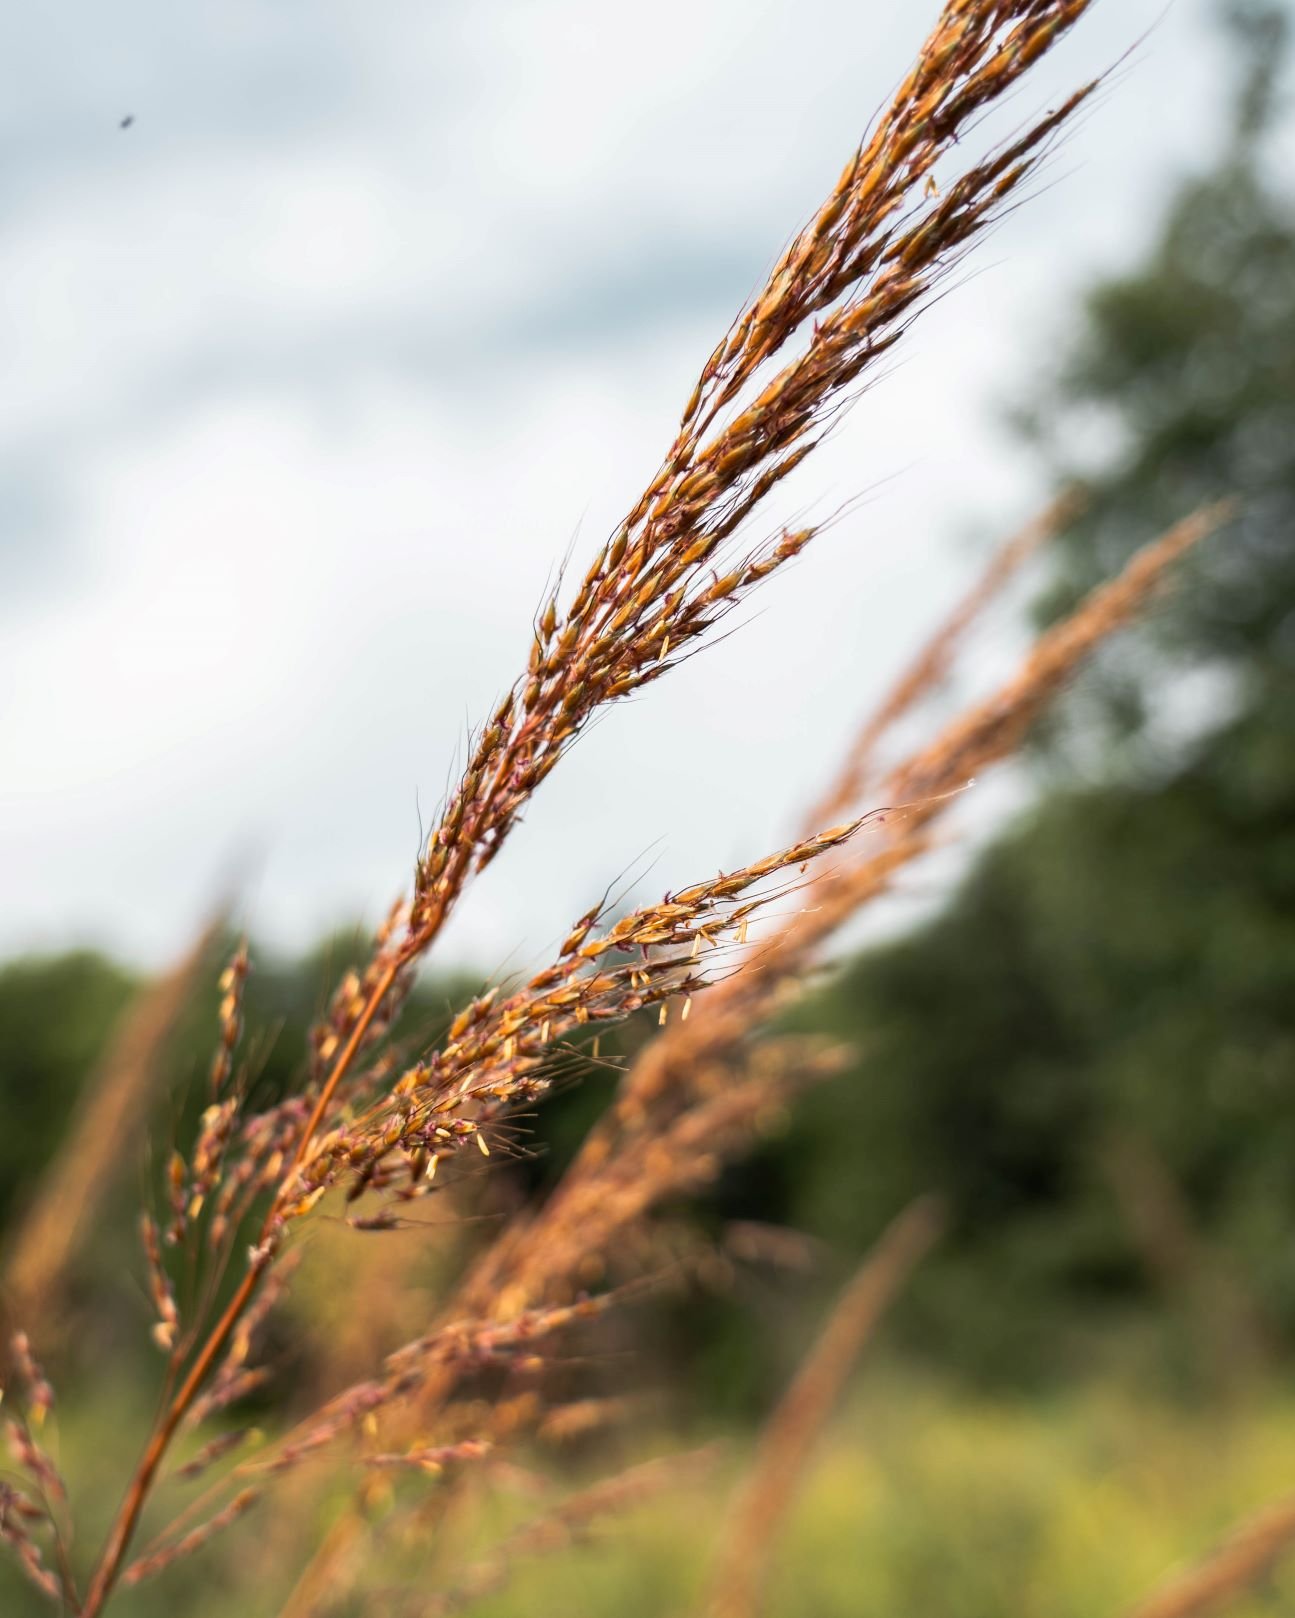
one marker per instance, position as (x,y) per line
(127,121)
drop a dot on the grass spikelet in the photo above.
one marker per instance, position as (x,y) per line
(18,1516)
(30,1458)
(160,1287)
(39,1392)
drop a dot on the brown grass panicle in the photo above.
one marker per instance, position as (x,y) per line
(494,1053)
(702,1072)
(905,209)
(767,1493)
(854,277)
(702,1089)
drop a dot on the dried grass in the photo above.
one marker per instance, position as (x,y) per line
(382,1135)
(702,1089)
(700,1085)
(746,1544)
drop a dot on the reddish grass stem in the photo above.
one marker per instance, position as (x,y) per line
(127,1520)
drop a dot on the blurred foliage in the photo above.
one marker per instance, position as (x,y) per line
(55,1017)
(921,1500)
(1121,966)
(1185,369)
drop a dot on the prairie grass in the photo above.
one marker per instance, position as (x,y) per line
(378,1124)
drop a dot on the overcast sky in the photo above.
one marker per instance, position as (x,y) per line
(312,372)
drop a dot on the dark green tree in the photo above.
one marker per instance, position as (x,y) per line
(56,1014)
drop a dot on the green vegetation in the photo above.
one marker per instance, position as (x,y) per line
(922,1500)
